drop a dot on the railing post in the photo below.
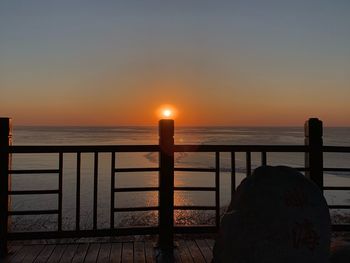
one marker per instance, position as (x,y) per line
(166,184)
(5,138)
(314,157)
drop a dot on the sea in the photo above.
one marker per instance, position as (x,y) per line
(25,135)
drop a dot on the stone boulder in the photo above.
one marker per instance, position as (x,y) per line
(277,215)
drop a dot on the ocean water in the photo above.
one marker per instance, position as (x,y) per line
(149,135)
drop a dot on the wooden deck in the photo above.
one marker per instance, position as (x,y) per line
(190,250)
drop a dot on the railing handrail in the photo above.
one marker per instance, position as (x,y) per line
(177,148)
(81,148)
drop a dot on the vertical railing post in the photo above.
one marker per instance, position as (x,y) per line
(166,184)
(5,139)
(314,156)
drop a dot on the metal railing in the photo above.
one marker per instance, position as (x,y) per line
(342,150)
(313,150)
(78,151)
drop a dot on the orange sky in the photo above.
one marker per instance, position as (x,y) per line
(227,63)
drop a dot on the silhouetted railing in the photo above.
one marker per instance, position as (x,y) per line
(343,150)
(313,150)
(78,150)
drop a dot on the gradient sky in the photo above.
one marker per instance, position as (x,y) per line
(218,62)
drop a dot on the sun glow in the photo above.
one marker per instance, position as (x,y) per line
(166,112)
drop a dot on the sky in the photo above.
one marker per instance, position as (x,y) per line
(232,63)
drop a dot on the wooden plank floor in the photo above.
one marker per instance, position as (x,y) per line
(190,250)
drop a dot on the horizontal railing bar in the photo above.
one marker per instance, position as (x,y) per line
(195,207)
(336,149)
(33,212)
(329,169)
(82,148)
(339,206)
(128,170)
(84,233)
(194,169)
(240,148)
(39,171)
(178,148)
(33,192)
(336,188)
(341,227)
(195,229)
(194,188)
(136,189)
(135,209)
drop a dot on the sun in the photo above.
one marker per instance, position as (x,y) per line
(167,111)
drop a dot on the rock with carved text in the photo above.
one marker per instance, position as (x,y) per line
(277,215)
